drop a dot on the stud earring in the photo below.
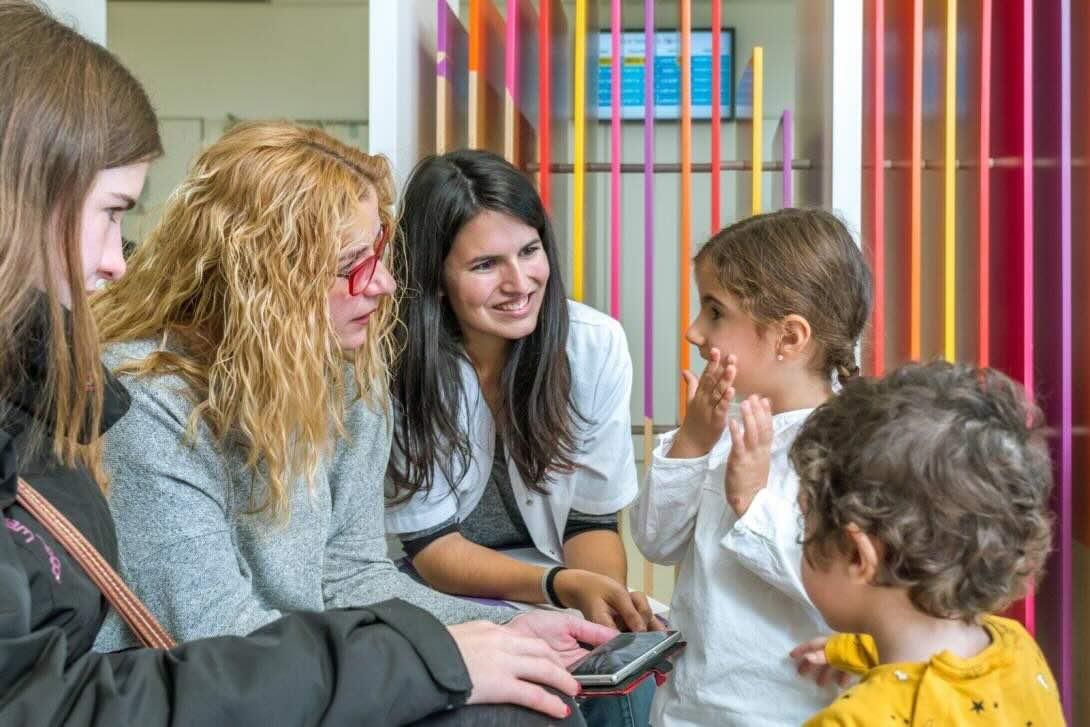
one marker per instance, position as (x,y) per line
(779,357)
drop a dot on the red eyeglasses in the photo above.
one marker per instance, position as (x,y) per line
(361,274)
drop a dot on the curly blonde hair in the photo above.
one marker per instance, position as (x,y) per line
(234,281)
(948,467)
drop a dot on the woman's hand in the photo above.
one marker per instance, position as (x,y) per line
(709,398)
(507,667)
(605,601)
(810,662)
(563,632)
(750,454)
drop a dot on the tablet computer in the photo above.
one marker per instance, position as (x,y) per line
(622,656)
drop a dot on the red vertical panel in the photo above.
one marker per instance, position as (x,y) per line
(1011,298)
(874,154)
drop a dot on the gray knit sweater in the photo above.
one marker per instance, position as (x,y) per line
(204,566)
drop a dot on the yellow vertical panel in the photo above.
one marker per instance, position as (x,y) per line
(579,146)
(949,340)
(758,123)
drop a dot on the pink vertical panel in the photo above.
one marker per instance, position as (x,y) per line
(717,103)
(874,175)
(615,162)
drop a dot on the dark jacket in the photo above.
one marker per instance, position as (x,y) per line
(387,664)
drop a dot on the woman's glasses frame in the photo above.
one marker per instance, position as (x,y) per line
(363,272)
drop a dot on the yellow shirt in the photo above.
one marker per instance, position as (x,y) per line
(1007,684)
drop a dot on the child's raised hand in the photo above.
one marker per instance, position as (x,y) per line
(750,453)
(709,398)
(810,662)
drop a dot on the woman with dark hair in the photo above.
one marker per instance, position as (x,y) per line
(77,134)
(513,426)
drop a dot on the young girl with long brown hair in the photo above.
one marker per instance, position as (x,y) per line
(784,298)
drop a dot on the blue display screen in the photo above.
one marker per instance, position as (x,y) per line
(667,74)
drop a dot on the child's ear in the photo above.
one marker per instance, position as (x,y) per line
(866,554)
(795,335)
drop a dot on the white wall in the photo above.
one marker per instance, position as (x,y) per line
(86,16)
(204,63)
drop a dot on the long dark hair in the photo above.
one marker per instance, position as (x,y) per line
(537,418)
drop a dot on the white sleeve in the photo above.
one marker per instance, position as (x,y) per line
(664,515)
(605,479)
(765,540)
(424,509)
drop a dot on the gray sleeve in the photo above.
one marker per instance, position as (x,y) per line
(357,569)
(169,502)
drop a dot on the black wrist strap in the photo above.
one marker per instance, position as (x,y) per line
(550,586)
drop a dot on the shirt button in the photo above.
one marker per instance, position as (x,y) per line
(739,528)
(529,501)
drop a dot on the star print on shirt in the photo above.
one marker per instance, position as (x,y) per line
(978,707)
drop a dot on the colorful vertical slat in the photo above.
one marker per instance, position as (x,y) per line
(787,151)
(648,250)
(686,229)
(1080,263)
(554,102)
(757,151)
(1052,335)
(717,103)
(1011,304)
(874,175)
(615,161)
(915,193)
(545,102)
(984,173)
(486,76)
(520,80)
(949,174)
(451,80)
(579,147)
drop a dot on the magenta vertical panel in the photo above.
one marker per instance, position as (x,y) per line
(615,162)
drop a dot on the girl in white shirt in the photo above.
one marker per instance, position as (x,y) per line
(784,298)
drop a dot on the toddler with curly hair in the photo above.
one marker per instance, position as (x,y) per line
(925,498)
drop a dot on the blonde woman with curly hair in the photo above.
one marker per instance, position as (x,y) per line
(253,331)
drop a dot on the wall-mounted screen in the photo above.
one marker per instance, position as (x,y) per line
(667,74)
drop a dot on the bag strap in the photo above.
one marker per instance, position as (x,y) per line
(132,609)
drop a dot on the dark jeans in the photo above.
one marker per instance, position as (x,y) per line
(501,715)
(629,710)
